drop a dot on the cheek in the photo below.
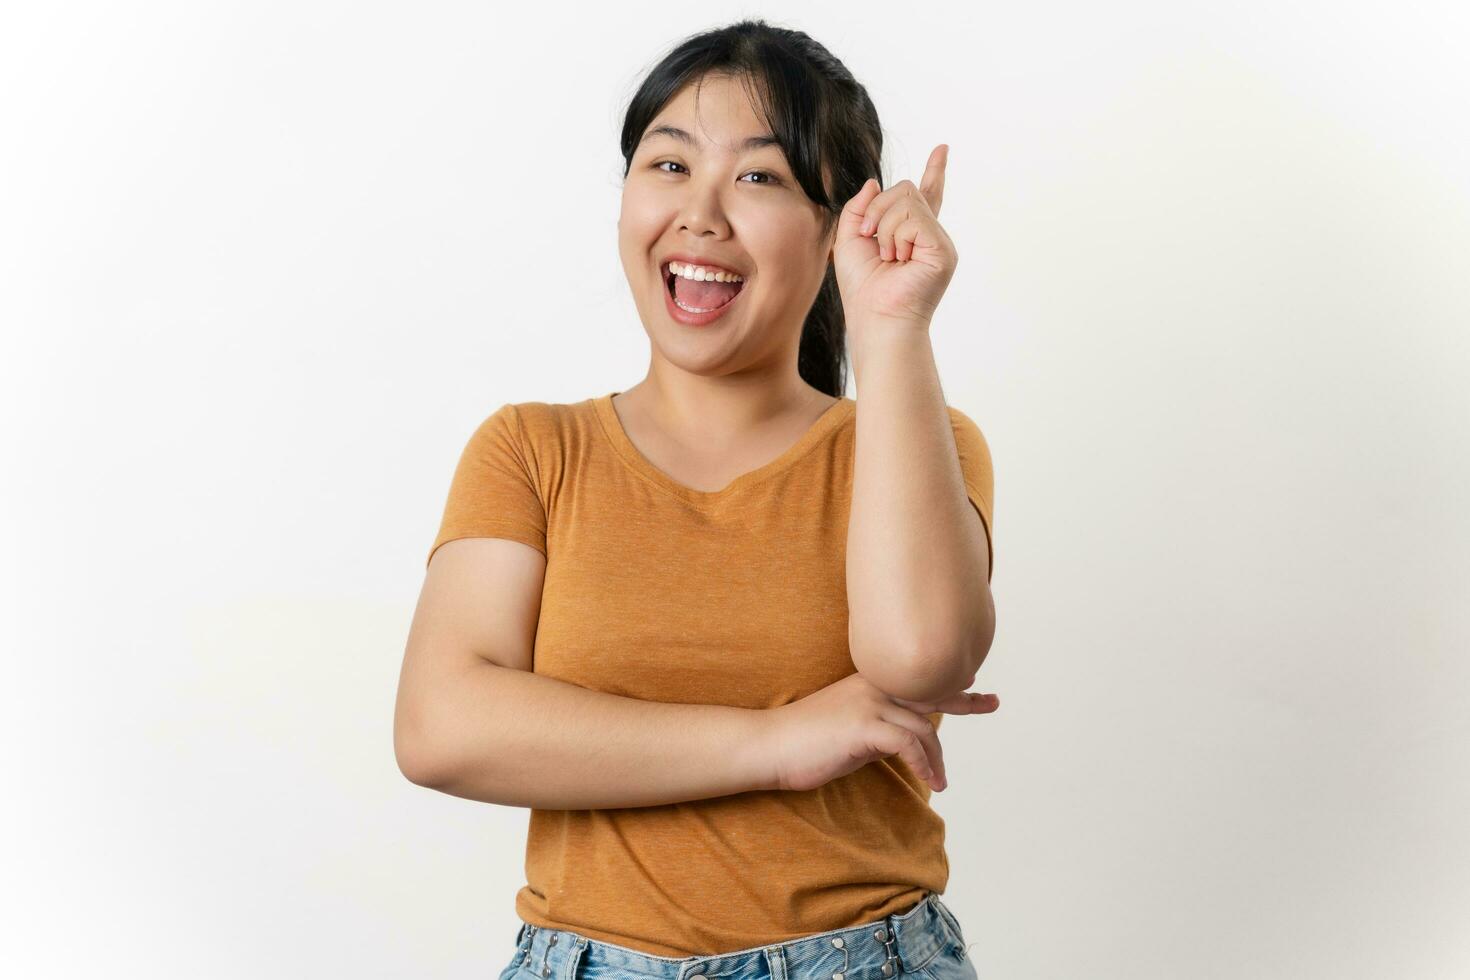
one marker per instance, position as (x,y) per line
(778,240)
(641,217)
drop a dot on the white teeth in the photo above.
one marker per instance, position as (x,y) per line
(700,273)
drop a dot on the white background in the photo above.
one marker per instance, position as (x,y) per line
(265,266)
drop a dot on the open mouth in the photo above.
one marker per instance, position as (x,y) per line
(704,306)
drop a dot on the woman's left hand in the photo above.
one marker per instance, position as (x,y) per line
(891,258)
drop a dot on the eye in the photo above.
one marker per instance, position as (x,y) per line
(770,178)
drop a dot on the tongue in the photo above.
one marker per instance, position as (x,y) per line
(704,295)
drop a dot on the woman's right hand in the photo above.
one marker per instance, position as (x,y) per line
(850,723)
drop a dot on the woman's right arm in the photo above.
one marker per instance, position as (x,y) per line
(473,721)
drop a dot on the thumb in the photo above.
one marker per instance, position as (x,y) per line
(856,209)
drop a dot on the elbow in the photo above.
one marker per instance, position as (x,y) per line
(936,663)
(916,676)
(413,762)
(942,673)
(969,646)
(418,758)
(936,670)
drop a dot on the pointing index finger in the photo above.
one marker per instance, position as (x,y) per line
(932,183)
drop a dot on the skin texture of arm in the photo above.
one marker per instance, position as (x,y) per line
(520,739)
(473,721)
(917,562)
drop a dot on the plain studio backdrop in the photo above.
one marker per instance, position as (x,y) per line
(265,266)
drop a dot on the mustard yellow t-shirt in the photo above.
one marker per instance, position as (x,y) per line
(658,591)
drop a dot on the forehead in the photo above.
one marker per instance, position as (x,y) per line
(717,114)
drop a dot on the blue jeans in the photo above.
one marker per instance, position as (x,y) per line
(926,940)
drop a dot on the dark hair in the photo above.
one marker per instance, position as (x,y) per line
(823,121)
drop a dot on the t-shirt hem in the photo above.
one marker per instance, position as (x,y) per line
(507,533)
(977,501)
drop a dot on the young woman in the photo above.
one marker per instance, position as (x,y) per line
(706,628)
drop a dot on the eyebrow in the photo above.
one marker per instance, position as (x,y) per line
(750,142)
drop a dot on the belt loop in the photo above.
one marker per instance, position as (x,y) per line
(776,962)
(574,958)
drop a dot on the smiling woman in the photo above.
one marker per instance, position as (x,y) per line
(739,152)
(673,692)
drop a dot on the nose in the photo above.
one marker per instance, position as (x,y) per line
(700,212)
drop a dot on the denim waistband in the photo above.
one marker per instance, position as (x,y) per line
(899,943)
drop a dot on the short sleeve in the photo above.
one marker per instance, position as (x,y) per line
(493,493)
(974,454)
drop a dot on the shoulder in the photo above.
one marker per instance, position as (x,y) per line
(528,420)
(539,431)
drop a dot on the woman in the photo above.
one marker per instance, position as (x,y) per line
(643,611)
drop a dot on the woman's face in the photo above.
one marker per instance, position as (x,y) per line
(712,196)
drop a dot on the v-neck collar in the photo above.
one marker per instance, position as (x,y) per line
(612,426)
